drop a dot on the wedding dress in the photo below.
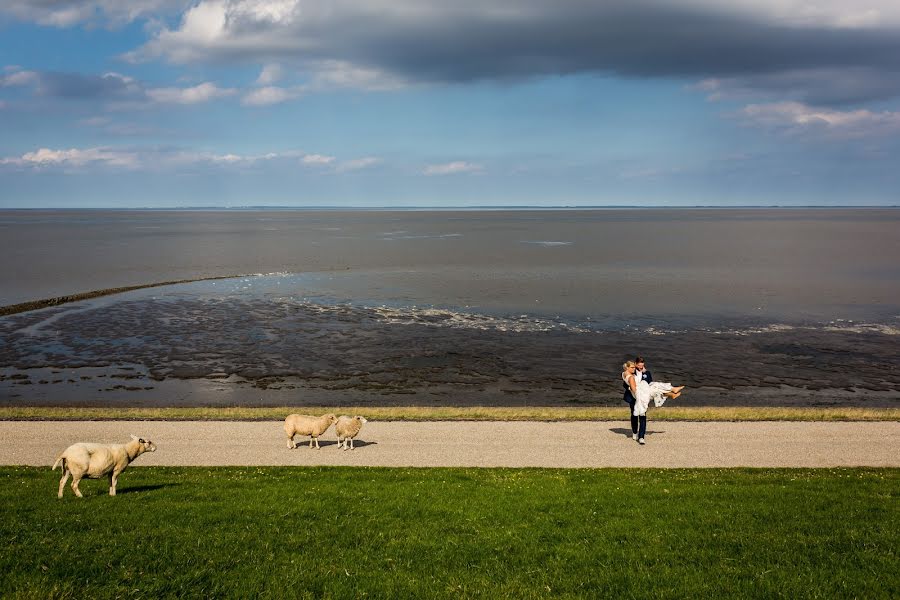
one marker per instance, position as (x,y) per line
(647,392)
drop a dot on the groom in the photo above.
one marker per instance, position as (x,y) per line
(638,424)
(642,369)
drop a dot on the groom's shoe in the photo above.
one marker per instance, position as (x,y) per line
(634,436)
(641,441)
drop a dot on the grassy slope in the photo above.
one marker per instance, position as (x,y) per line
(350,532)
(477,413)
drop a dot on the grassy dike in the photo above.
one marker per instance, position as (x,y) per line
(476,413)
(346,532)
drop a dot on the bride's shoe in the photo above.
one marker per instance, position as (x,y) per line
(677,389)
(675,395)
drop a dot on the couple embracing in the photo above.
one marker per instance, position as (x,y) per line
(640,389)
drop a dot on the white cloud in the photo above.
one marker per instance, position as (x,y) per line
(317,160)
(192,95)
(799,118)
(266,96)
(358,163)
(74,12)
(74,157)
(161,158)
(452,168)
(270,74)
(838,14)
(337,74)
(19,78)
(139,158)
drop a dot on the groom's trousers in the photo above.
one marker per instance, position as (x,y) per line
(638,424)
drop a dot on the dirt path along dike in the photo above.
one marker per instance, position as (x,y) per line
(477,444)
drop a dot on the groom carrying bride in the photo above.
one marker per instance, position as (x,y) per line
(639,390)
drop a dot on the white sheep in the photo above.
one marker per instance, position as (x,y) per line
(347,428)
(307,425)
(98,460)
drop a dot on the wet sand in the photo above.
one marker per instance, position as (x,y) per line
(258,352)
(482,444)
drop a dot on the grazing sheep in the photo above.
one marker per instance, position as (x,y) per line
(306,425)
(347,428)
(98,460)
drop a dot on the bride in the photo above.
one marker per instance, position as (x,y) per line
(643,392)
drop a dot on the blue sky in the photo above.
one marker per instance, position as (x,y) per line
(163,103)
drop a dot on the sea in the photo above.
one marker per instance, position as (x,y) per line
(745,306)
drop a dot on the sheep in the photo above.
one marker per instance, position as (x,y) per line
(98,460)
(307,425)
(347,428)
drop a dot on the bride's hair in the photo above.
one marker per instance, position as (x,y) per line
(628,363)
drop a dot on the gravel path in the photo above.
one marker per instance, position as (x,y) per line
(478,444)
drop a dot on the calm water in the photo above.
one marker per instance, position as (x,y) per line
(779,264)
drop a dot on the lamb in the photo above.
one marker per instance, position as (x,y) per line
(307,425)
(98,460)
(347,428)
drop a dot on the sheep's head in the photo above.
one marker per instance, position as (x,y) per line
(331,418)
(361,419)
(146,445)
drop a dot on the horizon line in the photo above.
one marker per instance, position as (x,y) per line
(335,207)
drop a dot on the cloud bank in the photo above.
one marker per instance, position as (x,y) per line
(153,158)
(765,45)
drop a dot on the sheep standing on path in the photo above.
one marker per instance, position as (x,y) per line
(307,425)
(347,428)
(98,460)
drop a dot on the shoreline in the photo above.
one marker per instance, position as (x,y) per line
(22,307)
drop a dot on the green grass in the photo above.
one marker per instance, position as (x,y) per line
(452,413)
(428,533)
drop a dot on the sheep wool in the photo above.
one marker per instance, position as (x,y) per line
(307,425)
(348,428)
(99,460)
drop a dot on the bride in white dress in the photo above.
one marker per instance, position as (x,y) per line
(644,392)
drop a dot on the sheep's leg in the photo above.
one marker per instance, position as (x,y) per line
(62,482)
(113,481)
(75,480)
(290,442)
(351,443)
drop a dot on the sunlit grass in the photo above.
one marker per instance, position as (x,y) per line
(475,413)
(434,533)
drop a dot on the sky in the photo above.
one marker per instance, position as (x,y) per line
(374,103)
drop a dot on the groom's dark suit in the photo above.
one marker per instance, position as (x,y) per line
(638,424)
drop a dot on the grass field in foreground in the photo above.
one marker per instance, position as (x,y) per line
(419,533)
(454,413)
